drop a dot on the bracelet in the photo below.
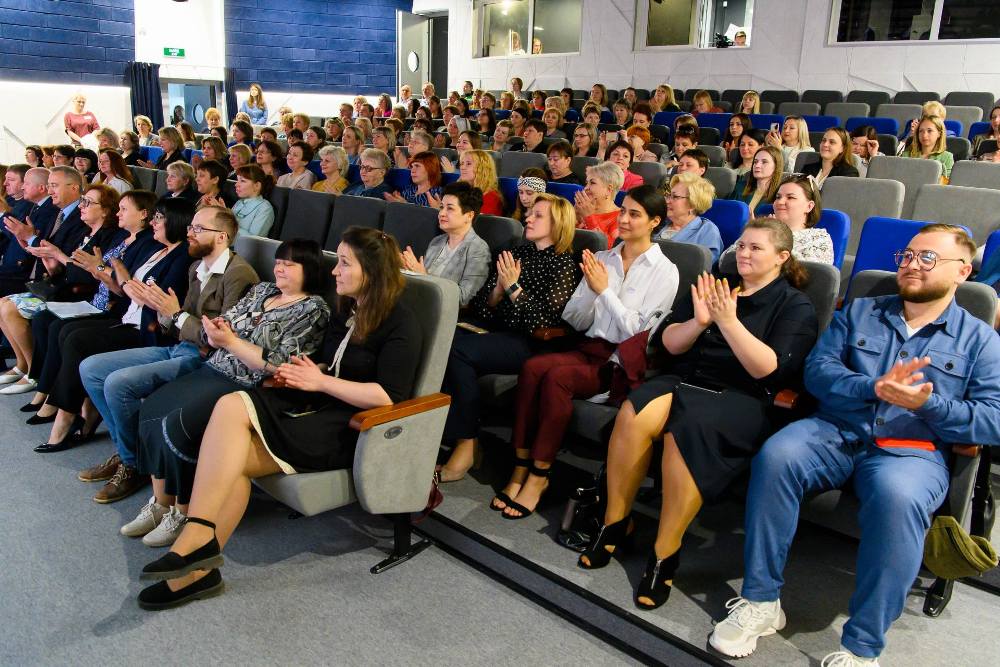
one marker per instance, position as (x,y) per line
(122,283)
(510,290)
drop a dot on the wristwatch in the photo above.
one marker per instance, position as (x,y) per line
(510,290)
(176,316)
(101,267)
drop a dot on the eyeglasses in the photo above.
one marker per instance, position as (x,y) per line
(86,203)
(927,259)
(367,167)
(198,229)
(159,217)
(671,196)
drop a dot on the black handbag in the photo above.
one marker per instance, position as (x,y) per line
(42,289)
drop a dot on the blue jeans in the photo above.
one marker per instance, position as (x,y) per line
(898,494)
(118,381)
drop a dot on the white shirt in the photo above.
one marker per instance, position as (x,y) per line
(204,272)
(631,303)
(133,316)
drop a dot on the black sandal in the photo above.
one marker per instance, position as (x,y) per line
(503,497)
(654,580)
(159,596)
(525,512)
(616,535)
(173,565)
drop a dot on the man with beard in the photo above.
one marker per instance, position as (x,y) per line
(899,380)
(118,381)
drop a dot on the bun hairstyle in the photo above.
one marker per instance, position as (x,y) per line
(382,278)
(781,237)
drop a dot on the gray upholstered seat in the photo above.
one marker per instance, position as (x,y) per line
(308,215)
(799,108)
(860,199)
(653,173)
(160,187)
(976,208)
(512,163)
(903,113)
(146,178)
(823,98)
(976,174)
(967,115)
(411,225)
(351,211)
(723,178)
(845,110)
(279,201)
(873,98)
(973,99)
(716,154)
(579,166)
(912,173)
(500,233)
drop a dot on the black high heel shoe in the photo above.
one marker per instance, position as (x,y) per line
(654,584)
(65,443)
(31,407)
(35,419)
(517,507)
(206,557)
(79,436)
(503,497)
(615,535)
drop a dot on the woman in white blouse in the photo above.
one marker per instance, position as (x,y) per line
(623,293)
(298,159)
(794,139)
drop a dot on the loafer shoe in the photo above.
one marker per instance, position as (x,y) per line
(159,596)
(19,387)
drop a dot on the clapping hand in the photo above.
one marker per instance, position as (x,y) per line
(300,373)
(594,272)
(433,200)
(584,204)
(508,269)
(88,261)
(900,385)
(411,262)
(720,300)
(220,335)
(22,231)
(164,303)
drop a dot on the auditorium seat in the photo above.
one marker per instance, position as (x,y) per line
(279,201)
(976,174)
(716,154)
(161,183)
(821,286)
(659,133)
(778,97)
(515,162)
(836,223)
(666,118)
(881,125)
(911,172)
(653,173)
(762,121)
(975,208)
(723,178)
(308,216)
(887,143)
(804,158)
(351,211)
(966,115)
(903,113)
(982,127)
(720,121)
(845,110)
(984,101)
(657,149)
(411,225)
(730,216)
(508,190)
(918,97)
(959,147)
(579,165)
(873,98)
(500,233)
(709,136)
(820,123)
(691,92)
(398,178)
(733,95)
(881,237)
(823,98)
(588,239)
(145,178)
(860,199)
(799,109)
(565,190)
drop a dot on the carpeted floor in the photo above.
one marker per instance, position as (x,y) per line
(298,591)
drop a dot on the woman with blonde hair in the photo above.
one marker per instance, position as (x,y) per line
(703,103)
(794,139)
(144,128)
(213,118)
(931,144)
(688,197)
(750,102)
(663,99)
(595,204)
(507,100)
(384,107)
(476,167)
(584,140)
(366,128)
(173,147)
(333,163)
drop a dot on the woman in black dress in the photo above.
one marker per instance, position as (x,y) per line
(731,351)
(371,354)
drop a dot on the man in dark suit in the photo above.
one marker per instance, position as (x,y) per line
(34,213)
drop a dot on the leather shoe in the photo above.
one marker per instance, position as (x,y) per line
(35,420)
(65,443)
(102,471)
(159,596)
(122,484)
(31,407)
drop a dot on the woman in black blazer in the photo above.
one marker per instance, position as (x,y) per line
(133,323)
(836,157)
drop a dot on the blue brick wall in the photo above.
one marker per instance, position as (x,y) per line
(66,41)
(314,46)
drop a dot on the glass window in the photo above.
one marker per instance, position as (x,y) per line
(556,26)
(505,27)
(671,23)
(916,20)
(729,23)
(523,27)
(970,19)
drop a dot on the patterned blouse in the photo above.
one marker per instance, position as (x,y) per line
(296,328)
(547,281)
(812,244)
(409,193)
(102,298)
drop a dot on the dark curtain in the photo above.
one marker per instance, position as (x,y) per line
(231,94)
(144,81)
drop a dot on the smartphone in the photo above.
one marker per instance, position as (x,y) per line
(774,127)
(295,414)
(471,327)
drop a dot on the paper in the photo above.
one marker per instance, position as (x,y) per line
(67,310)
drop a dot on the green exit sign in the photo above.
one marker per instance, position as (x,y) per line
(173,52)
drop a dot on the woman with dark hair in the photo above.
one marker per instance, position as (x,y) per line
(113,171)
(992,132)
(730,351)
(518,117)
(33,156)
(242,133)
(463,108)
(425,173)
(738,124)
(621,153)
(254,106)
(129,142)
(270,158)
(85,161)
(864,145)
(254,213)
(220,133)
(298,159)
(209,179)
(369,359)
(187,134)
(750,141)
(623,293)
(129,322)
(487,121)
(835,157)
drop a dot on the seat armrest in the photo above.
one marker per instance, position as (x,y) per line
(549,333)
(970,451)
(367,419)
(787,399)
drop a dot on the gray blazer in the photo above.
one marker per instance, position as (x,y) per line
(469,265)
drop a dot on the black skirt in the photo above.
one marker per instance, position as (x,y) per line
(717,432)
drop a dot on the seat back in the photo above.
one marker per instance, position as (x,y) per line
(804,158)
(258,253)
(716,154)
(767,107)
(733,95)
(912,173)
(690,259)
(823,98)
(820,124)
(730,216)
(984,101)
(161,183)
(709,136)
(279,202)
(799,109)
(308,216)
(959,147)
(691,92)
(903,113)
(838,225)
(845,110)
(434,303)
(351,211)
(976,174)
(887,143)
(579,165)
(977,209)
(565,190)
(723,178)
(966,115)
(152,153)
(588,239)
(666,118)
(499,233)
(918,97)
(881,237)
(659,134)
(145,178)
(980,300)
(653,173)
(881,125)
(762,121)
(508,190)
(411,225)
(512,163)
(862,198)
(779,97)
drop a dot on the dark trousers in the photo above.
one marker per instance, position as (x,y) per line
(47,334)
(545,391)
(79,341)
(472,356)
(10,286)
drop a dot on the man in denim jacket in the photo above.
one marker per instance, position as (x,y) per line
(899,379)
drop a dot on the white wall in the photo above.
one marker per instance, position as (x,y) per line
(197,27)
(789,50)
(33,113)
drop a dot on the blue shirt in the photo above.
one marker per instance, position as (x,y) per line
(359,189)
(700,231)
(409,193)
(862,343)
(257,116)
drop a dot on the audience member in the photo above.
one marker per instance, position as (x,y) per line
(738,124)
(384,139)
(30,215)
(750,103)
(688,197)
(210,177)
(107,138)
(620,153)
(180,182)
(584,140)
(113,172)
(794,139)
(864,145)
(835,154)
(85,161)
(931,144)
(353,143)
(334,164)
(299,176)
(703,103)
(213,118)
(477,168)
(531,182)
(765,177)
(373,165)
(694,161)
(425,187)
(79,122)
(992,133)
(501,136)
(144,129)
(595,204)
(663,99)
(129,142)
(560,161)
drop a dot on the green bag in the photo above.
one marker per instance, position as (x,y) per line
(951,553)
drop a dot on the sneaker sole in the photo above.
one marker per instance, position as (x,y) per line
(750,645)
(121,531)
(212,592)
(210,563)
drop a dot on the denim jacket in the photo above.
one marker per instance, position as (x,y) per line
(863,342)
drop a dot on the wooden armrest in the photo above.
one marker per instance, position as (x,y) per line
(362,421)
(966,450)
(787,399)
(549,333)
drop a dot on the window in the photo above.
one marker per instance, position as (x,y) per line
(915,20)
(693,23)
(527,27)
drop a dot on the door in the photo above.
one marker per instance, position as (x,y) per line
(413,51)
(197,99)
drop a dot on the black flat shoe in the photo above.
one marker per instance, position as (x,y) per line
(65,443)
(654,584)
(32,407)
(159,596)
(35,420)
(612,539)
(173,565)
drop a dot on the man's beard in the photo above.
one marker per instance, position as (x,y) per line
(924,294)
(199,250)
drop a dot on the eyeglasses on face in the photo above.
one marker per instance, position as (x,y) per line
(926,259)
(198,229)
(87,203)
(367,168)
(671,196)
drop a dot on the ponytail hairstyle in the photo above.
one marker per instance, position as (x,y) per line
(254,173)
(781,237)
(382,278)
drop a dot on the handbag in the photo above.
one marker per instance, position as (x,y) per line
(42,289)
(951,553)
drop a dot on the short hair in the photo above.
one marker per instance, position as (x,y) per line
(183,170)
(644,109)
(215,170)
(212,112)
(623,103)
(295,133)
(307,151)
(75,177)
(701,192)
(557,112)
(621,144)
(170,133)
(336,121)
(242,150)
(319,131)
(388,133)
(305,117)
(650,199)
(38,175)
(225,218)
(700,156)
(866,131)
(144,200)
(536,124)
(109,134)
(556,102)
(809,188)
(432,164)
(269,130)
(470,198)
(933,108)
(340,157)
(108,200)
(962,238)
(144,119)
(66,151)
(178,213)
(309,255)
(704,96)
(641,132)
(422,136)
(609,173)
(374,154)
(505,124)
(20,169)
(563,221)
(560,146)
(688,132)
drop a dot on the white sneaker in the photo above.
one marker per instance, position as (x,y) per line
(845,658)
(12,375)
(19,387)
(168,530)
(147,519)
(748,621)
